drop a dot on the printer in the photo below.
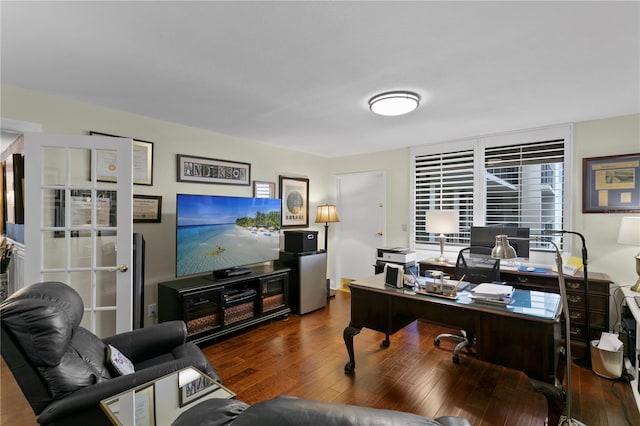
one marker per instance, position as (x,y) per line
(397,255)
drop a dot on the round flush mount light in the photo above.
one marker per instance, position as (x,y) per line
(394,103)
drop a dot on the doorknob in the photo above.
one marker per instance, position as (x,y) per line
(379,234)
(123,268)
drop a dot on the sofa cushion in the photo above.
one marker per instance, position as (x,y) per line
(118,364)
(212,412)
(289,411)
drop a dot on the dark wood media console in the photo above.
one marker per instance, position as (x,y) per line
(212,307)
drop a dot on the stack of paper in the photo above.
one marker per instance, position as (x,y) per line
(499,294)
(610,342)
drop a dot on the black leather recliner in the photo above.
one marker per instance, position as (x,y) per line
(62,368)
(291,411)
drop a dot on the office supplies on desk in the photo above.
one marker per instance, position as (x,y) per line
(492,291)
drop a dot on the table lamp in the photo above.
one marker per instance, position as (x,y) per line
(326,213)
(442,222)
(503,250)
(630,234)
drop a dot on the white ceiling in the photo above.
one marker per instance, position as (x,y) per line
(299,74)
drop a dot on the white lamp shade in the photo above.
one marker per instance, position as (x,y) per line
(442,221)
(629,231)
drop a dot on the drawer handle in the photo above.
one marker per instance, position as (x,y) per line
(574,299)
(575,315)
(573,285)
(201,301)
(523,279)
(575,331)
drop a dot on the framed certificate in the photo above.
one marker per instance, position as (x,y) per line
(147,208)
(611,184)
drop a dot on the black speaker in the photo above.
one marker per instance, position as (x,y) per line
(301,241)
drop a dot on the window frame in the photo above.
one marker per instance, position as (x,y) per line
(478,145)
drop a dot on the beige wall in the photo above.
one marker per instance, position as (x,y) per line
(63,116)
(612,136)
(618,135)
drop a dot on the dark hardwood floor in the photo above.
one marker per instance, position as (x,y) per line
(305,357)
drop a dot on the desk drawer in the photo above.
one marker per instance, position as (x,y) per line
(596,301)
(594,286)
(597,319)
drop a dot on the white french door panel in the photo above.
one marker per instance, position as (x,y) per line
(78,222)
(361,201)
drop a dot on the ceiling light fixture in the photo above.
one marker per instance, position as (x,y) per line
(394,103)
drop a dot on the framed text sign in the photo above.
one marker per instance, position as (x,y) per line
(213,170)
(611,184)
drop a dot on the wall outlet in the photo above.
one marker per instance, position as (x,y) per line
(152,310)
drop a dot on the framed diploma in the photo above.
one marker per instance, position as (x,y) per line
(142,162)
(147,208)
(611,184)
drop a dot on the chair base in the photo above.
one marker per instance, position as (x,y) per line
(465,339)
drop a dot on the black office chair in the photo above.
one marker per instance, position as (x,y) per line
(476,266)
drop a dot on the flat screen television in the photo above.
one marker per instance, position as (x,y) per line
(485,236)
(223,234)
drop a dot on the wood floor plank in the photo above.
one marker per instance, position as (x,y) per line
(304,356)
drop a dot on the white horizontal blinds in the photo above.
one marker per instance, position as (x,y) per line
(444,181)
(524,186)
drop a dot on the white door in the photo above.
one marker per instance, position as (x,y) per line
(361,201)
(78,222)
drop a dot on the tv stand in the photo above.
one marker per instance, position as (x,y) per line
(231,272)
(214,307)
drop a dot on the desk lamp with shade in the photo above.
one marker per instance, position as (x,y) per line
(442,222)
(326,213)
(630,234)
(503,250)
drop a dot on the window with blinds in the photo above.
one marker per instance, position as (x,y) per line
(501,182)
(524,186)
(444,181)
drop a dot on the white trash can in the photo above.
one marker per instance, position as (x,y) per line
(606,363)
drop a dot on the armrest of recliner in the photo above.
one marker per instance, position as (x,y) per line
(145,343)
(88,398)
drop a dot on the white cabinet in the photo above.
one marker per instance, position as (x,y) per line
(635,311)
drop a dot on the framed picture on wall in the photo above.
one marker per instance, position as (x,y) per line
(142,162)
(147,208)
(213,170)
(611,184)
(294,198)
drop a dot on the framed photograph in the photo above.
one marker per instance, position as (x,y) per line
(264,189)
(611,184)
(213,170)
(147,208)
(142,162)
(294,196)
(196,388)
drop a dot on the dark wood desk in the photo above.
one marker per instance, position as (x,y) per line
(525,336)
(544,280)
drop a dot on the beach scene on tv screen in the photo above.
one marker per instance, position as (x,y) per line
(224,232)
